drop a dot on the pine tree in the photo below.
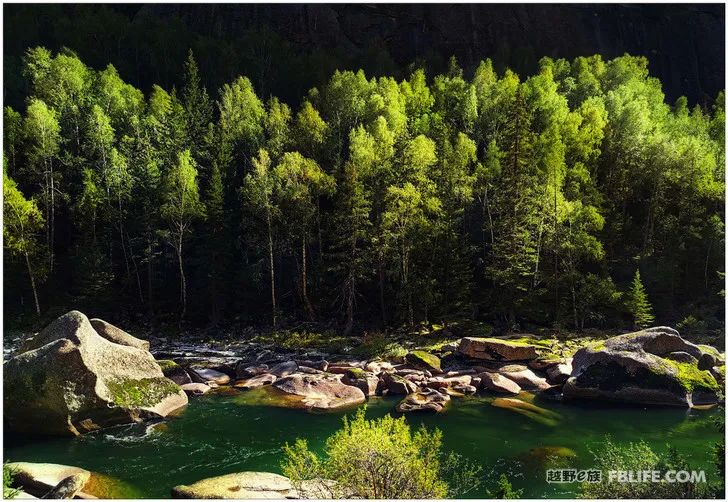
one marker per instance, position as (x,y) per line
(638,304)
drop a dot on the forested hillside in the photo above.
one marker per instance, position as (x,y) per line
(576,197)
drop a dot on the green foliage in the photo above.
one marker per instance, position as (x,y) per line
(636,457)
(504,489)
(638,304)
(380,458)
(8,474)
(495,197)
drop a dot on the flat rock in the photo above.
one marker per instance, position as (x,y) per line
(495,349)
(527,379)
(256,381)
(38,479)
(204,375)
(240,485)
(196,388)
(322,392)
(284,369)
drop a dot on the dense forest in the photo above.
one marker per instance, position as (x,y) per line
(573,198)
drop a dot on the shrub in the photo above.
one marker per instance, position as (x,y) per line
(637,457)
(8,474)
(504,490)
(381,459)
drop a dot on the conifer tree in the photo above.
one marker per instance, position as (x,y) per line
(638,304)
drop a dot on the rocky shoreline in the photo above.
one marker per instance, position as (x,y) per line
(80,375)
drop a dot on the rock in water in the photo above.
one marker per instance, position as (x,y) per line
(498,383)
(69,487)
(495,349)
(642,368)
(424,400)
(256,381)
(117,335)
(205,375)
(70,380)
(240,485)
(323,392)
(37,479)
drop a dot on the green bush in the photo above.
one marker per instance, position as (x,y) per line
(504,490)
(8,474)
(381,459)
(639,457)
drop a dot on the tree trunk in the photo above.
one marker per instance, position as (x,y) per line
(183,282)
(272,270)
(150,302)
(304,279)
(53,216)
(382,306)
(32,284)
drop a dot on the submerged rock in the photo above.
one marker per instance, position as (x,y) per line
(71,380)
(638,368)
(529,410)
(495,349)
(323,392)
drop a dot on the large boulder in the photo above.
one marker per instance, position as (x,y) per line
(70,380)
(207,375)
(395,384)
(117,335)
(495,349)
(322,392)
(646,367)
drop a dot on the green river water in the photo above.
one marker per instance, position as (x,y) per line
(220,434)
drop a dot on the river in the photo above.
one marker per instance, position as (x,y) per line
(220,433)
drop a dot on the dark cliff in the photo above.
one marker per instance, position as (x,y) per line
(286,49)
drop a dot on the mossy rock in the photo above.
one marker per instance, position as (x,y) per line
(167,365)
(424,360)
(71,380)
